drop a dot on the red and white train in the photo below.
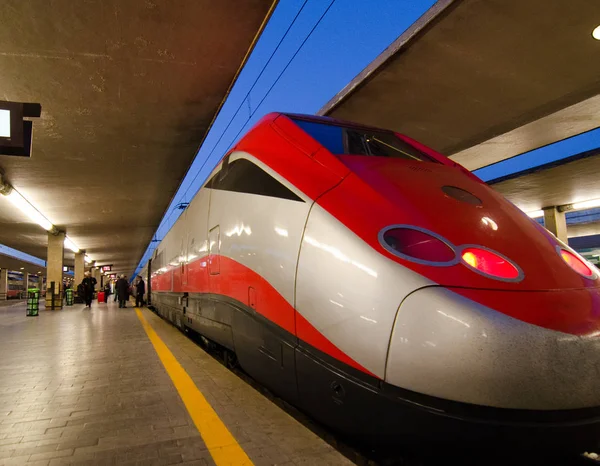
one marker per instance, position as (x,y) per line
(386,290)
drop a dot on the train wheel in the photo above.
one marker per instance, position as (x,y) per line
(230,359)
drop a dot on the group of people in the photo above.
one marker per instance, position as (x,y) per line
(122,290)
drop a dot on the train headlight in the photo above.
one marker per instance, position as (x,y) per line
(577,264)
(418,245)
(490,263)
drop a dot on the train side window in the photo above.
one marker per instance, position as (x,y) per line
(157,263)
(243,176)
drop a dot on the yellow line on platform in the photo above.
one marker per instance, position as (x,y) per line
(222,446)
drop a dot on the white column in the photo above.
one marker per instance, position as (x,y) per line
(3,284)
(79,269)
(556,222)
(54,269)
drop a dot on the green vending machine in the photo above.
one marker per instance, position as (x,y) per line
(33,302)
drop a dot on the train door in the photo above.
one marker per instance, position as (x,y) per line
(214,262)
(185,261)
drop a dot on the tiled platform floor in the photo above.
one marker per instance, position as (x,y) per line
(86,387)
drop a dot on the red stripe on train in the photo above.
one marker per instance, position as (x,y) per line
(234,281)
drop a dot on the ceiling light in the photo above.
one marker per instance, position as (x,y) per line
(536,214)
(586,204)
(24,206)
(596,33)
(22,268)
(87,259)
(4,123)
(71,245)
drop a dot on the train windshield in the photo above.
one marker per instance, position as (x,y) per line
(342,140)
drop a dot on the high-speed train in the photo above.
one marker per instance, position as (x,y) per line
(386,290)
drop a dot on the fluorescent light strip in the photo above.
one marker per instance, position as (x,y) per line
(535,214)
(24,206)
(586,204)
(71,245)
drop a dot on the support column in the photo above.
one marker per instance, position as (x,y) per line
(54,270)
(556,222)
(3,284)
(96,274)
(79,269)
(27,282)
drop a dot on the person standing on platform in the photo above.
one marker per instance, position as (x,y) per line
(122,291)
(140,288)
(89,284)
(106,292)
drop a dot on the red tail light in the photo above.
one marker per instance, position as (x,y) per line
(418,245)
(490,263)
(576,264)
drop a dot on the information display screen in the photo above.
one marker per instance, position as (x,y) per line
(4,123)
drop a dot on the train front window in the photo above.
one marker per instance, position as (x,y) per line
(329,136)
(378,144)
(340,140)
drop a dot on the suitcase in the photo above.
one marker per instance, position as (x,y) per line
(101,296)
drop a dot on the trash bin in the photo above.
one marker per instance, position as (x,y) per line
(69,296)
(33,302)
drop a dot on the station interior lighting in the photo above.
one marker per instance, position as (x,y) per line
(24,206)
(535,214)
(35,215)
(71,245)
(87,259)
(596,33)
(586,204)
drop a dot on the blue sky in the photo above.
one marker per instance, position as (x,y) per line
(558,151)
(347,38)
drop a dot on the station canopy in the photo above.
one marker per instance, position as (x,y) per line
(128,91)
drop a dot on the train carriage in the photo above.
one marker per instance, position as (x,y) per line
(386,290)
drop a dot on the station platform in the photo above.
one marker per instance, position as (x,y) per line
(122,386)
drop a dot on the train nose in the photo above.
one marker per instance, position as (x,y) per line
(448,346)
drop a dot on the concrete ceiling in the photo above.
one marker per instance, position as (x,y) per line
(485,80)
(576,119)
(565,183)
(128,90)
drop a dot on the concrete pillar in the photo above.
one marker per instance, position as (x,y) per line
(556,222)
(96,275)
(79,269)
(3,284)
(27,282)
(54,269)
